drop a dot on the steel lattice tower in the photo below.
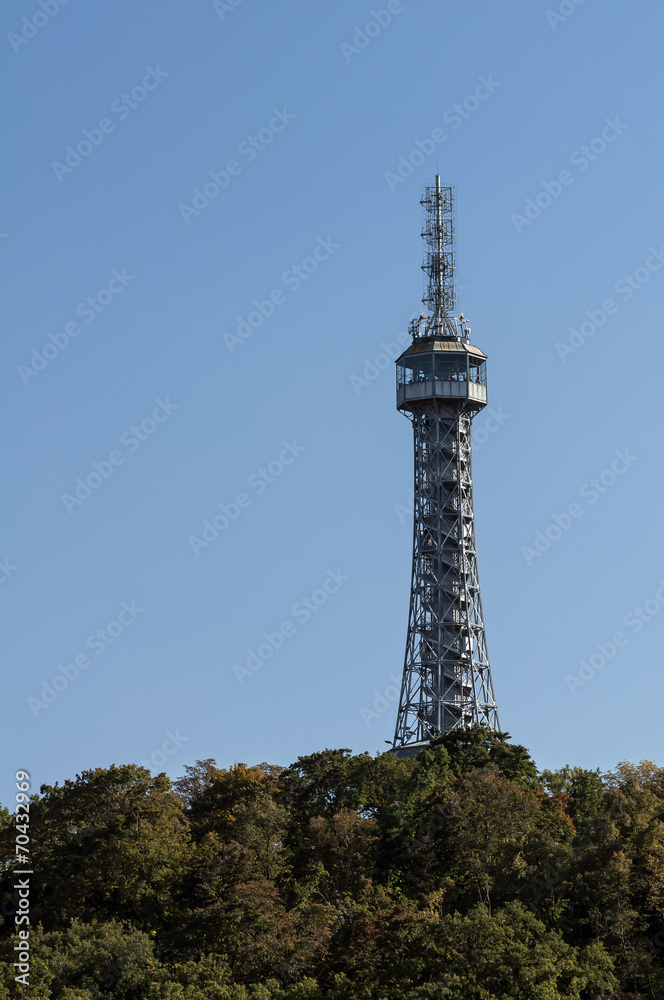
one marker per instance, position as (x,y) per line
(441,385)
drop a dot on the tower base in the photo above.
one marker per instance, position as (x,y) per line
(409,749)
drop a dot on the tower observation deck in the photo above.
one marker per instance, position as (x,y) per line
(441,385)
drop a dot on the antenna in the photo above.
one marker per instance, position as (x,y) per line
(439,265)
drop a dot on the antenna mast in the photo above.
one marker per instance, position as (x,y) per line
(439,263)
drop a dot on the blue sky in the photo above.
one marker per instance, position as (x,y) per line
(124,367)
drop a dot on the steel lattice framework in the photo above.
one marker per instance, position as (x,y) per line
(441,384)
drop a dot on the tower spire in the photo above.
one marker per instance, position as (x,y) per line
(441,385)
(439,264)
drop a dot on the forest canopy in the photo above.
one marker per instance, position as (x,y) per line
(463,873)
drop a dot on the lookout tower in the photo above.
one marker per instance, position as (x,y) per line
(441,385)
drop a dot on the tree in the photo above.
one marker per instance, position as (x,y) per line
(196,779)
(477,747)
(215,802)
(113,842)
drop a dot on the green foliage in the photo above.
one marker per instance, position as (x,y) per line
(5,817)
(104,846)
(474,748)
(460,874)
(584,791)
(95,960)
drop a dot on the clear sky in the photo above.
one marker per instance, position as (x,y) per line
(210,240)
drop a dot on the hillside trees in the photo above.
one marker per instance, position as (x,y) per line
(460,874)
